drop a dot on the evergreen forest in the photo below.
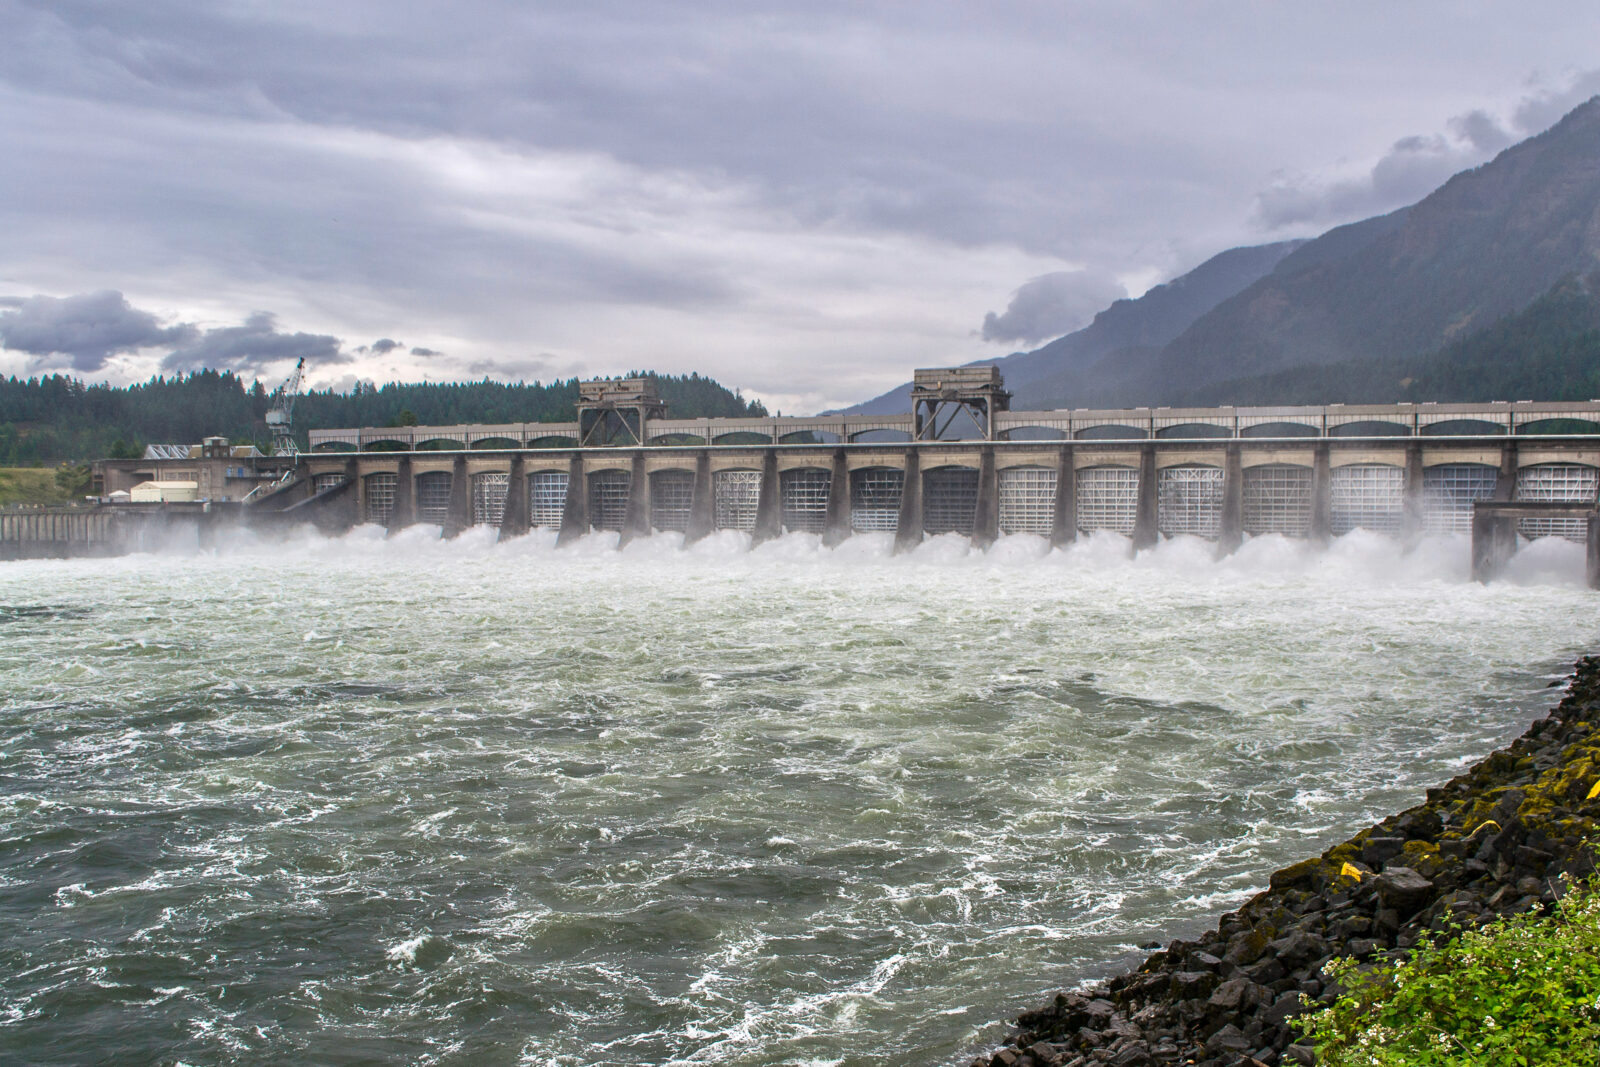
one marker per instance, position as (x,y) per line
(55,418)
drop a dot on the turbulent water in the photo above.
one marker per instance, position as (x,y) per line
(406,801)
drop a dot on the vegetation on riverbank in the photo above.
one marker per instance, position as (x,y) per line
(42,486)
(1523,990)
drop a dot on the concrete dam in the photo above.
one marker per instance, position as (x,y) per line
(1214,473)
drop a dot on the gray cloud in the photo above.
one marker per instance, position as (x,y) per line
(525,369)
(1540,109)
(253,347)
(384,345)
(1051,305)
(420,351)
(1409,171)
(88,328)
(1416,165)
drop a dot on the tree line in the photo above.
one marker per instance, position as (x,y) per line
(56,418)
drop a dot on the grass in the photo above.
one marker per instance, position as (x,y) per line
(31,485)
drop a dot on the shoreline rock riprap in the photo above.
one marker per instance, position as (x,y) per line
(1497,839)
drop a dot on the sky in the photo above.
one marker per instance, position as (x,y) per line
(802,200)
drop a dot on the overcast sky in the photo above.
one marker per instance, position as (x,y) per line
(803,200)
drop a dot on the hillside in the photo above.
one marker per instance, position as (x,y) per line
(1549,350)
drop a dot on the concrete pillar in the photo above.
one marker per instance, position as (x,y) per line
(1145,530)
(908,534)
(1494,541)
(636,521)
(459,515)
(1231,535)
(1064,524)
(1592,552)
(1411,521)
(769,506)
(405,498)
(1321,496)
(986,518)
(1505,486)
(575,509)
(838,518)
(514,523)
(702,509)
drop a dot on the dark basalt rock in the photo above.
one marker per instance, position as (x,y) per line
(1495,840)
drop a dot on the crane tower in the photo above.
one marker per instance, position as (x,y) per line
(280,416)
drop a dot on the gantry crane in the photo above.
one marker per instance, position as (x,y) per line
(280,416)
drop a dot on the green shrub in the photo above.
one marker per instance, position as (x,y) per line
(1522,991)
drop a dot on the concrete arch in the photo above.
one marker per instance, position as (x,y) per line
(1112,431)
(742,437)
(668,440)
(1034,433)
(335,446)
(440,444)
(500,444)
(1462,428)
(1279,429)
(1187,431)
(1555,427)
(386,444)
(809,437)
(1370,428)
(880,435)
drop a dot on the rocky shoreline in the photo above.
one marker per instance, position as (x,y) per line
(1496,839)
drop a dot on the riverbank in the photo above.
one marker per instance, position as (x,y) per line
(1497,839)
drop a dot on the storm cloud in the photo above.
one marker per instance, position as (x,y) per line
(87,329)
(254,348)
(1051,305)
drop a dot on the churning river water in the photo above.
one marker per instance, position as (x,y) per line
(358,800)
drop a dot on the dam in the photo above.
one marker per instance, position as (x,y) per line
(1146,473)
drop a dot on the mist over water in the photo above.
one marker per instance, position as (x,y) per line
(403,800)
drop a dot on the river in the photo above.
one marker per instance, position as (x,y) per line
(357,800)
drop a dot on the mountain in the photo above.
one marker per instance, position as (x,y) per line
(1486,244)
(1151,320)
(1121,376)
(1550,350)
